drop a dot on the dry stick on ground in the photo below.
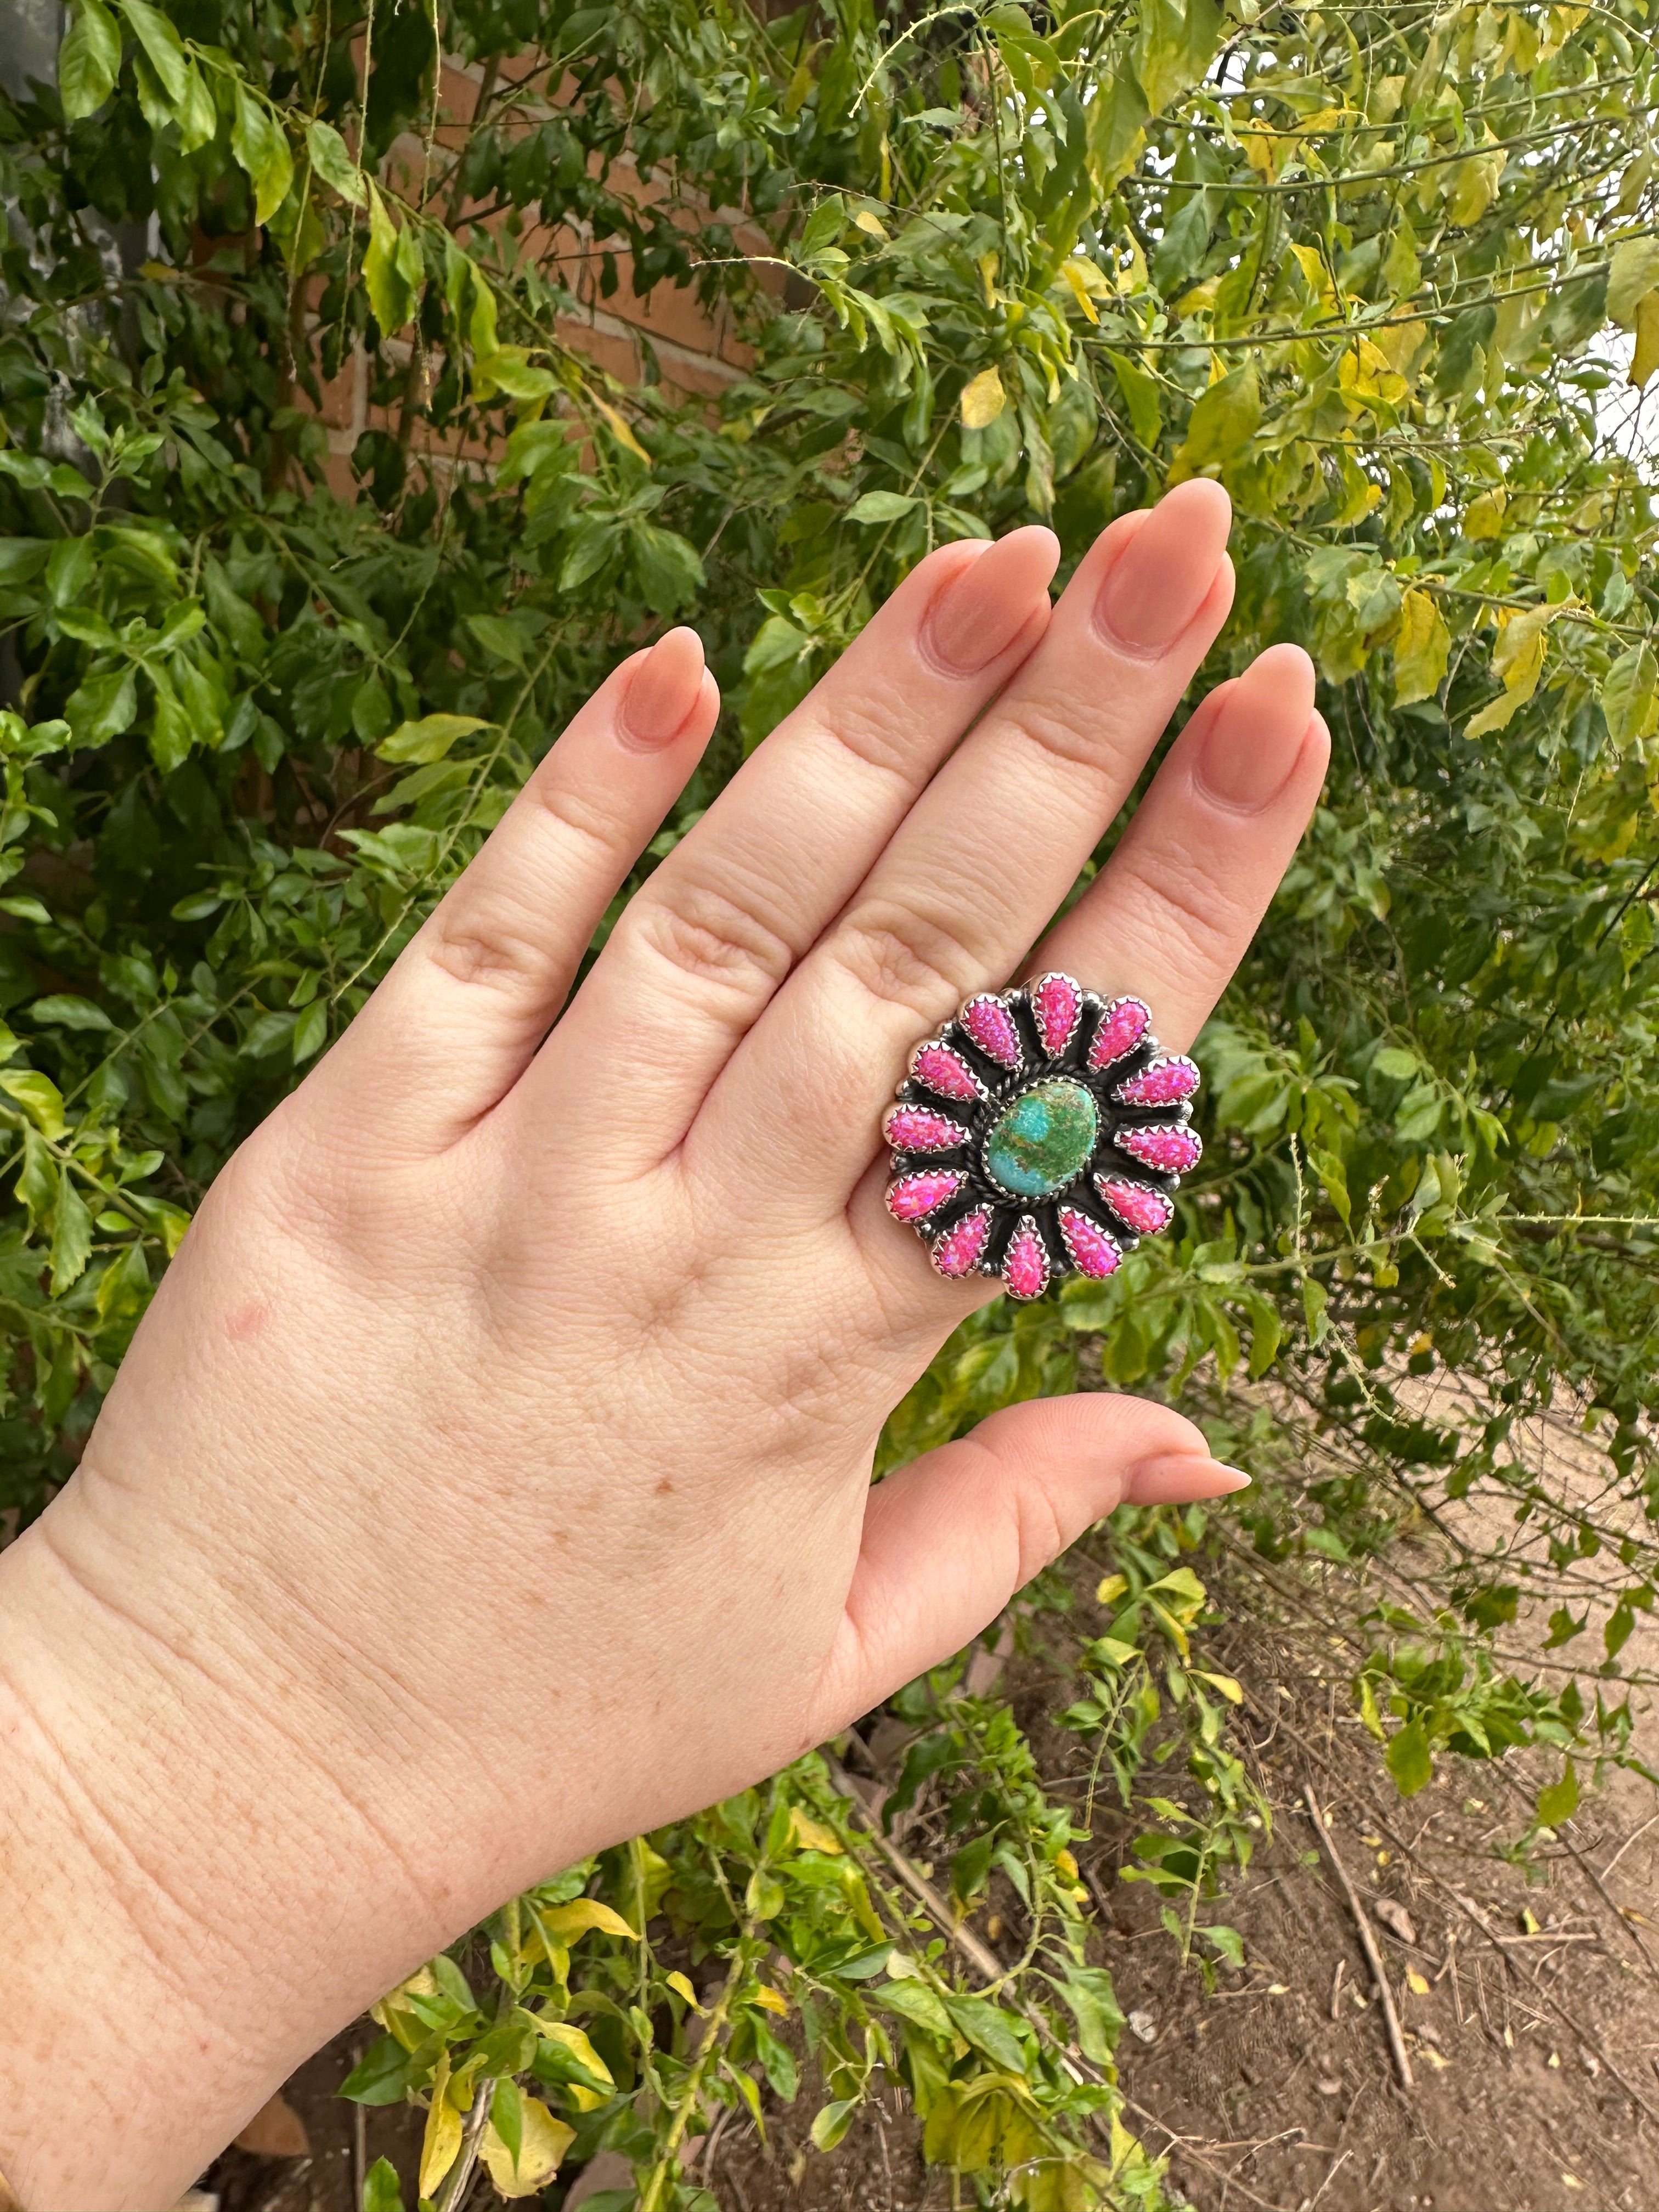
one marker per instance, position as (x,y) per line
(986,1963)
(1499,1944)
(1402,2064)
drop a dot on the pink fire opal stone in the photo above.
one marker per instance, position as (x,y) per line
(1163,1082)
(958,1252)
(991,1026)
(1123,1025)
(946,1072)
(914,1197)
(1172,1150)
(1057,1002)
(920,1129)
(1025,1270)
(1093,1252)
(1145,1210)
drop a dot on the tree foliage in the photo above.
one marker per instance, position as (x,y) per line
(1392,275)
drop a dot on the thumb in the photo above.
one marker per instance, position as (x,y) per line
(949,1539)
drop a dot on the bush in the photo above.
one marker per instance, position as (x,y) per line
(1391,275)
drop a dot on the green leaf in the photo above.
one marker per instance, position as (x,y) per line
(1088,1994)
(1223,420)
(89,59)
(914,2000)
(382,2191)
(1630,695)
(163,48)
(1140,399)
(1399,1065)
(71,1235)
(1173,46)
(1409,1759)
(1559,1801)
(383,2075)
(832,2122)
(331,161)
(170,732)
(260,144)
(385,269)
(507,2116)
(428,739)
(668,568)
(310,1032)
(988,2028)
(65,1010)
(39,1097)
(881,507)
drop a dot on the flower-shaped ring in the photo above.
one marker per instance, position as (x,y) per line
(1041,1132)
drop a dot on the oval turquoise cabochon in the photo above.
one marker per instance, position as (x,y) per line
(1044,1139)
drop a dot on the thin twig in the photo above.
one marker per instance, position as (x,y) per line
(1402,2063)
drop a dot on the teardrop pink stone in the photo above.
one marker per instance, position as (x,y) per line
(914,1197)
(1146,1210)
(1056,1001)
(958,1252)
(1172,1150)
(1163,1082)
(1025,1270)
(1093,1252)
(991,1026)
(946,1072)
(920,1129)
(1122,1026)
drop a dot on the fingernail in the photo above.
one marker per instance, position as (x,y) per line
(1176,1478)
(983,609)
(663,688)
(1251,748)
(1162,577)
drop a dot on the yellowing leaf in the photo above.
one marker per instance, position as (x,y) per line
(565,1922)
(442,2139)
(1518,658)
(1416,1983)
(809,1835)
(1066,1864)
(989,265)
(1471,186)
(1422,648)
(870,223)
(1365,376)
(572,2039)
(1072,272)
(982,400)
(682,1986)
(1232,1691)
(39,1097)
(770,2000)
(1645,359)
(1311,263)
(545,2143)
(1631,274)
(1108,1591)
(1484,518)
(620,431)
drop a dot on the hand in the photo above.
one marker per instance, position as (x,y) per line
(489,1480)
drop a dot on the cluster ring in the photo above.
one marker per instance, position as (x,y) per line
(1042,1133)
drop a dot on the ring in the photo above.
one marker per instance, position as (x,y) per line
(1040,1132)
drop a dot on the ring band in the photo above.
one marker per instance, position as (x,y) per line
(1041,1132)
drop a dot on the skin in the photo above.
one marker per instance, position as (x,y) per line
(489,1480)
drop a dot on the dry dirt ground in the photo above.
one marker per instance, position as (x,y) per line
(1532,2050)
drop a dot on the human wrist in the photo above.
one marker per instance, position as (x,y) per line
(179,1856)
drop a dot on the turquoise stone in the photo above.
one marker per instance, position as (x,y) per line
(1044,1139)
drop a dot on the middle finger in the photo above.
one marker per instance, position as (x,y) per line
(986,855)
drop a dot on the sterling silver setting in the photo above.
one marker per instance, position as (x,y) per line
(970,1174)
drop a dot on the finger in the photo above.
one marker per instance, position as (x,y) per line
(1173,913)
(1170,916)
(472,996)
(949,1540)
(711,936)
(986,855)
